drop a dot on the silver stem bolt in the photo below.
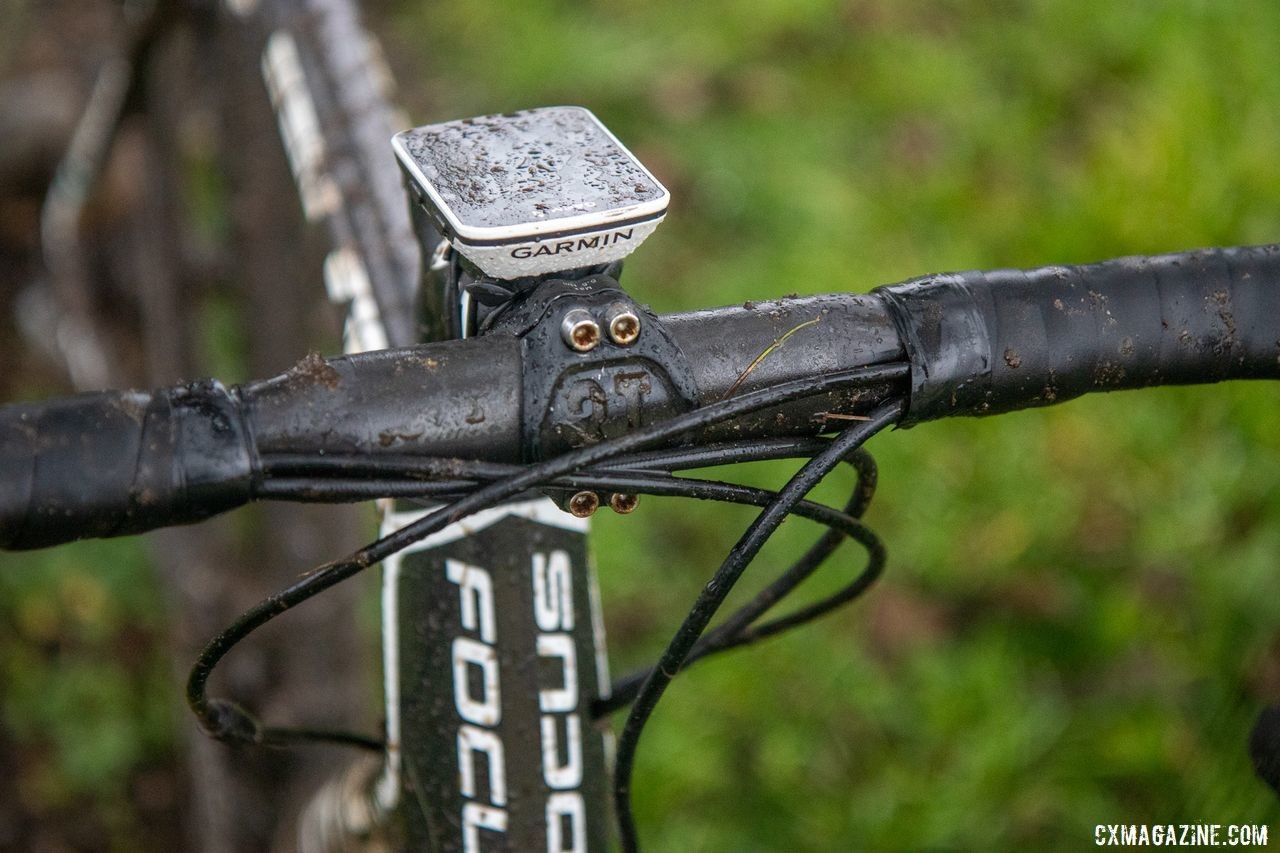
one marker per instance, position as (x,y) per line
(584,504)
(624,325)
(623,503)
(579,330)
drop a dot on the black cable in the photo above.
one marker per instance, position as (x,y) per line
(737,630)
(713,595)
(227,721)
(731,634)
(329,490)
(282,738)
(844,524)
(341,478)
(734,631)
(436,469)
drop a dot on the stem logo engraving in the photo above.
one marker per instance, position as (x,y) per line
(601,401)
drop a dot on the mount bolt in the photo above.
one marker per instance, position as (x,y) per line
(580,331)
(623,503)
(624,325)
(584,504)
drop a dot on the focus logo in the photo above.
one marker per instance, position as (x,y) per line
(477,697)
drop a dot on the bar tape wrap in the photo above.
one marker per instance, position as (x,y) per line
(118,462)
(987,342)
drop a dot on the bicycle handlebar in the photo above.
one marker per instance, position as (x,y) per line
(977,343)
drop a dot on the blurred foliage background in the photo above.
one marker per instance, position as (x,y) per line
(1080,616)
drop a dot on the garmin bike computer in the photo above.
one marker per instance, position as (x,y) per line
(534,192)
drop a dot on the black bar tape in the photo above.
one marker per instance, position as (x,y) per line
(987,342)
(113,463)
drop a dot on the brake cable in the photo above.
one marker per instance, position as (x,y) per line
(619,463)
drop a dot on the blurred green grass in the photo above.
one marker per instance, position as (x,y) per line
(1080,615)
(88,721)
